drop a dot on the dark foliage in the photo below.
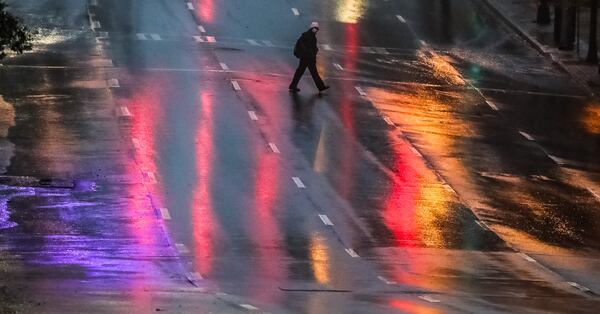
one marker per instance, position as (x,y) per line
(14,36)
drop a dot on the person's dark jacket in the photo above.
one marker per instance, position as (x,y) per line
(306,46)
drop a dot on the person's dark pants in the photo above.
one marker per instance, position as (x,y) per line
(311,64)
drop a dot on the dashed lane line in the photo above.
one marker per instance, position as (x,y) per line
(352,253)
(594,193)
(249,307)
(164,212)
(327,47)
(199,39)
(224,66)
(141,36)
(136,143)
(429,299)
(274,148)
(492,105)
(527,257)
(386,281)
(578,286)
(338,66)
(381,51)
(557,160)
(299,183)
(149,177)
(113,83)
(367,50)
(423,43)
(211,39)
(124,112)
(360,91)
(326,221)
(190,6)
(181,248)
(236,85)
(527,136)
(155,37)
(415,151)
(482,225)
(252,42)
(268,43)
(252,115)
(389,121)
(201,29)
(95,25)
(295,11)
(401,18)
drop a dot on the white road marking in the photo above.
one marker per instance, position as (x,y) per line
(449,188)
(527,136)
(578,286)
(249,307)
(274,148)
(195,276)
(327,47)
(381,51)
(527,257)
(295,11)
(252,115)
(387,282)
(190,5)
(211,39)
(201,29)
(423,43)
(389,121)
(360,91)
(594,193)
(182,248)
(299,183)
(164,212)
(124,112)
(136,143)
(236,85)
(401,18)
(558,161)
(415,151)
(429,299)
(352,253)
(268,43)
(367,50)
(326,220)
(338,66)
(252,42)
(95,25)
(155,36)
(482,225)
(113,83)
(102,35)
(150,178)
(199,39)
(224,66)
(492,105)
(141,36)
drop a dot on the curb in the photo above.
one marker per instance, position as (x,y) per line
(539,47)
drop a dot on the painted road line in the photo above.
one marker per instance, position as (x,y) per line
(381,51)
(141,36)
(274,148)
(449,188)
(102,35)
(249,307)
(252,42)
(299,183)
(338,66)
(326,220)
(360,91)
(492,105)
(429,299)
(352,253)
(124,112)
(95,25)
(181,248)
(401,19)
(211,39)
(113,83)
(164,212)
(295,11)
(201,29)
(236,85)
(268,43)
(389,121)
(578,286)
(190,6)
(199,39)
(367,50)
(415,151)
(527,136)
(423,43)
(527,257)
(224,66)
(482,225)
(327,47)
(594,193)
(155,36)
(150,178)
(558,161)
(252,115)
(387,282)
(136,143)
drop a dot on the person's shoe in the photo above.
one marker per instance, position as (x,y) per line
(324,88)
(294,89)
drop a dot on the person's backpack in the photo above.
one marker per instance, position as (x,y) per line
(297,48)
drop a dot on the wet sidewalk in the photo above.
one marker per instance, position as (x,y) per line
(520,15)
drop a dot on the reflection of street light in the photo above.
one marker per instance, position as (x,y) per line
(350,11)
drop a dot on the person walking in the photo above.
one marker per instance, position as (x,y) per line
(306,50)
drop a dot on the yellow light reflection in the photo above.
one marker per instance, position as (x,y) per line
(7,117)
(591,119)
(441,67)
(319,258)
(350,11)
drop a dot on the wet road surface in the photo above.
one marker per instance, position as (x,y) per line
(449,169)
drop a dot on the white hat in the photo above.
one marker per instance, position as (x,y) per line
(314,25)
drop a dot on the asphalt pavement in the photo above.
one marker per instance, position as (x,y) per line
(154,160)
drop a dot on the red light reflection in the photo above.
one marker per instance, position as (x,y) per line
(206,10)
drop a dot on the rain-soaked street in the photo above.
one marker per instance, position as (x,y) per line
(153,159)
